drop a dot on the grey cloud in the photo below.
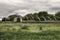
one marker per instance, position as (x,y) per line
(29,5)
(6,9)
(55,8)
(33,5)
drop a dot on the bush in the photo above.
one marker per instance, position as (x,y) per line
(40,27)
(24,27)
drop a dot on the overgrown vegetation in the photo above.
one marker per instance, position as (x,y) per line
(24,27)
(40,16)
(14,31)
(46,35)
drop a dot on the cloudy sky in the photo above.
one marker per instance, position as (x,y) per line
(22,7)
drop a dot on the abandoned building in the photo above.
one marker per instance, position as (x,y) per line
(17,19)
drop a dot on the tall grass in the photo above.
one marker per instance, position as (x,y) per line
(13,31)
(46,35)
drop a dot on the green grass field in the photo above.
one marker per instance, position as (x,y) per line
(29,31)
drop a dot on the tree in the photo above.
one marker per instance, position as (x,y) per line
(36,17)
(52,17)
(57,15)
(29,17)
(42,13)
(5,19)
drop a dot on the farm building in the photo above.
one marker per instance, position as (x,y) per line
(18,19)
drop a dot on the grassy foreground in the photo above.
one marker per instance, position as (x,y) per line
(29,31)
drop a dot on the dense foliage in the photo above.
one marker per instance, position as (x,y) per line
(40,16)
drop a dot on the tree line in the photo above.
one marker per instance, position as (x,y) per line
(40,16)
